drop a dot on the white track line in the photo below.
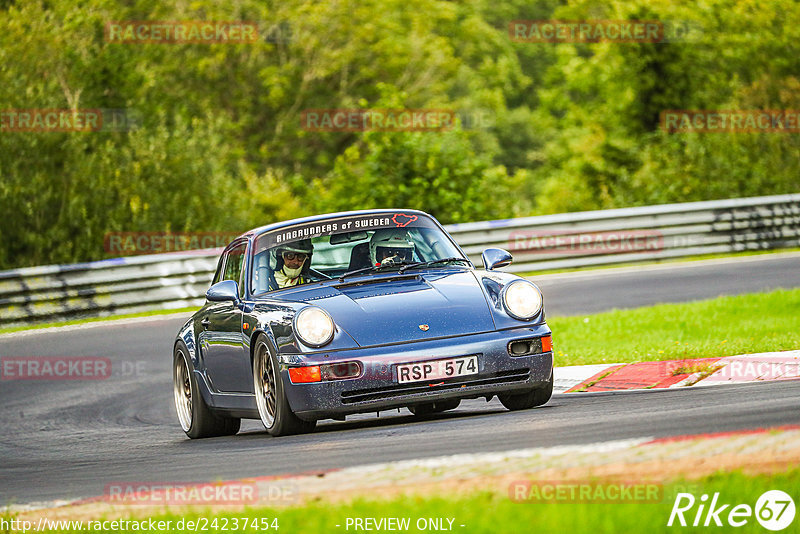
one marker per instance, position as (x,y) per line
(98,324)
(577,275)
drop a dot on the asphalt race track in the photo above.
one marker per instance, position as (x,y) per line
(68,439)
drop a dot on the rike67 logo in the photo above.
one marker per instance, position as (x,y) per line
(774,510)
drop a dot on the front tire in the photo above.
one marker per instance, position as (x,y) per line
(528,399)
(273,407)
(196,418)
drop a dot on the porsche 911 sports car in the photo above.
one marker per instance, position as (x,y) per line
(365,311)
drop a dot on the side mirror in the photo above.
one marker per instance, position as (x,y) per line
(494,258)
(223,291)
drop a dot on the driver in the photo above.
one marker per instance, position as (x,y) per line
(390,247)
(293,261)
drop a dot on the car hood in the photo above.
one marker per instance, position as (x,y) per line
(377,310)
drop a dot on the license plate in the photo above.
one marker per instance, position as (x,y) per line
(437,369)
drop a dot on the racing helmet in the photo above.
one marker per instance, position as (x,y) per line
(391,246)
(303,246)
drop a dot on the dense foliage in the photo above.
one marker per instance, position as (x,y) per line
(220,147)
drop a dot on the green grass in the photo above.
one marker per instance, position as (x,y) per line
(88,320)
(491,510)
(725,326)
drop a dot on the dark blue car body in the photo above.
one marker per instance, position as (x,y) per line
(382,320)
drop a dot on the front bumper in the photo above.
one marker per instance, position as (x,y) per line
(377,387)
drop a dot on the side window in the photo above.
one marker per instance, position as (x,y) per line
(234,261)
(218,274)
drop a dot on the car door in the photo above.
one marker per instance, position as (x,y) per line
(227,365)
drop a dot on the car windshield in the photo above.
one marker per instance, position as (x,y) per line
(349,245)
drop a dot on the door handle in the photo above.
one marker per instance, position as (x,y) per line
(206,323)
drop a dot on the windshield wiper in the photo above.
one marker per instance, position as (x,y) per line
(374,268)
(428,263)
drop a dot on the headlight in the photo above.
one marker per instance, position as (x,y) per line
(522,300)
(314,326)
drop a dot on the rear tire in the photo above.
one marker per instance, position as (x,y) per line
(434,407)
(273,407)
(196,418)
(528,399)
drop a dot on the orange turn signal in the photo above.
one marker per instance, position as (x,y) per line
(304,375)
(547,344)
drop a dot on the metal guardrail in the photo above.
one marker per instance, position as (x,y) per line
(644,233)
(178,280)
(108,287)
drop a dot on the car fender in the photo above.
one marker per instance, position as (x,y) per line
(493,283)
(187,335)
(266,331)
(276,321)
